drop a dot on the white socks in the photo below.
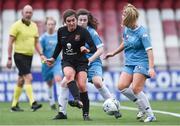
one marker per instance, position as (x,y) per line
(128,92)
(63,99)
(140,99)
(104,92)
(51,95)
(146,103)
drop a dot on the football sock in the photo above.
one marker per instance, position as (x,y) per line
(74,89)
(104,92)
(29,92)
(146,103)
(85,100)
(16,95)
(51,95)
(63,99)
(128,92)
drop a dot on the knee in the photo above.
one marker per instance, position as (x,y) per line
(82,87)
(136,89)
(69,78)
(121,86)
(28,78)
(57,78)
(20,82)
(97,85)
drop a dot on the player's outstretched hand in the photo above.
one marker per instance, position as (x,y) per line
(108,55)
(84,49)
(50,61)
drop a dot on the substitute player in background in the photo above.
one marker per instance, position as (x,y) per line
(51,74)
(139,62)
(24,36)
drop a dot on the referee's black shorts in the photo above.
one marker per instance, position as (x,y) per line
(77,65)
(23,63)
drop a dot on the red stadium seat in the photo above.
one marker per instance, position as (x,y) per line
(138,3)
(38,4)
(51,4)
(22,3)
(120,5)
(176,4)
(173,56)
(165,4)
(1,3)
(109,4)
(9,4)
(80,4)
(178,27)
(65,4)
(94,5)
(150,4)
(52,10)
(169,27)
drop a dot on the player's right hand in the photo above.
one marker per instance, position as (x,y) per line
(50,61)
(108,55)
(9,64)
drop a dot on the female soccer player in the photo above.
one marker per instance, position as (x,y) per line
(48,42)
(71,40)
(139,62)
(86,20)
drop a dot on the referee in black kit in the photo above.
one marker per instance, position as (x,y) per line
(72,39)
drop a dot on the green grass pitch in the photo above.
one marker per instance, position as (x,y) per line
(44,115)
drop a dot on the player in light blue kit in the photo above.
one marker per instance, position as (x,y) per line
(50,74)
(139,62)
(86,20)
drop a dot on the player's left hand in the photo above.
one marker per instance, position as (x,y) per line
(152,72)
(43,59)
(84,49)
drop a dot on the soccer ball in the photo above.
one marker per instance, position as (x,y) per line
(111,105)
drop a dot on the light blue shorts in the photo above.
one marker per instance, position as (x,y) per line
(48,73)
(131,69)
(94,69)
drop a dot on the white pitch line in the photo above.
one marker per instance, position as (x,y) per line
(135,109)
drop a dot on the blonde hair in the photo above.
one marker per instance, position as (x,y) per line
(131,15)
(50,18)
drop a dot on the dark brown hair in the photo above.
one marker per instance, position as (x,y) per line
(67,13)
(92,21)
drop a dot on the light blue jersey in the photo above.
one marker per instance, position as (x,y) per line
(94,68)
(48,44)
(97,41)
(136,43)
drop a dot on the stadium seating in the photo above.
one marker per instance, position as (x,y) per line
(111,31)
(8,18)
(160,17)
(52,10)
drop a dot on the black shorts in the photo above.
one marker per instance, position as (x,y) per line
(23,63)
(76,65)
